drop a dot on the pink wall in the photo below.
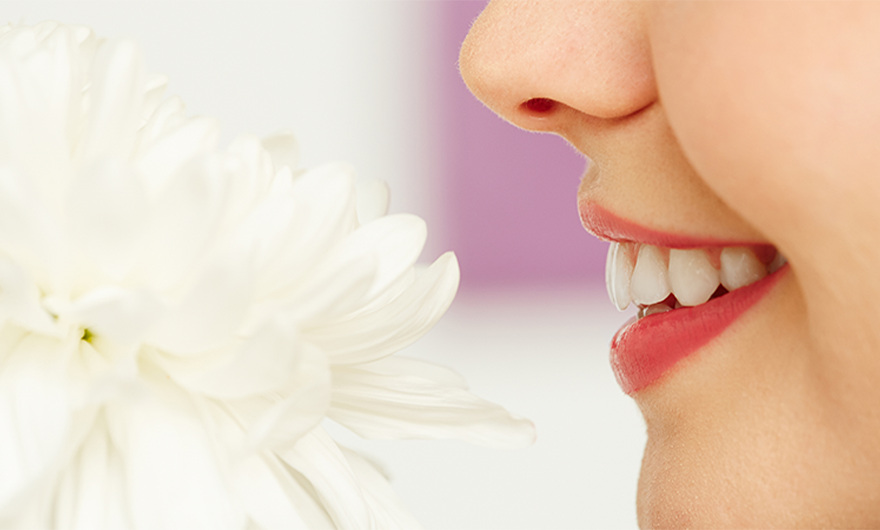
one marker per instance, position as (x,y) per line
(511,193)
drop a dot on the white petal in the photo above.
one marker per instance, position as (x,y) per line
(323,213)
(106,371)
(120,314)
(107,214)
(168,155)
(167,116)
(266,229)
(261,363)
(373,197)
(154,89)
(184,222)
(274,422)
(35,417)
(274,499)
(395,240)
(20,300)
(361,267)
(436,373)
(387,508)
(91,492)
(175,475)
(211,312)
(337,287)
(283,148)
(116,101)
(321,462)
(373,334)
(39,102)
(271,494)
(383,401)
(252,176)
(29,232)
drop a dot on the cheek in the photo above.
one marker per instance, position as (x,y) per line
(780,124)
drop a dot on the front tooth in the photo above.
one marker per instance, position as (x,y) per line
(650,282)
(740,267)
(618,273)
(692,277)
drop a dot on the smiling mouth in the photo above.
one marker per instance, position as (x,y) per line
(688,291)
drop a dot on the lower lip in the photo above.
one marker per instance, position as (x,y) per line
(645,349)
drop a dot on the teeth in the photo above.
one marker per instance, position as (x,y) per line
(777,263)
(618,273)
(692,277)
(656,308)
(650,282)
(739,267)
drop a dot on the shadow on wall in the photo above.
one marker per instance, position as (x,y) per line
(511,194)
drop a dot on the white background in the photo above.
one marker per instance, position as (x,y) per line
(353,81)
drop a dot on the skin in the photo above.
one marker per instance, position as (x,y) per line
(739,121)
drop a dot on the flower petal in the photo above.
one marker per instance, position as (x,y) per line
(274,499)
(373,197)
(379,253)
(154,89)
(91,491)
(395,240)
(184,223)
(35,415)
(322,203)
(210,313)
(264,362)
(42,72)
(122,315)
(107,215)
(251,179)
(274,422)
(387,508)
(321,462)
(116,93)
(375,333)
(166,116)
(29,232)
(283,148)
(338,286)
(386,400)
(174,476)
(169,154)
(20,300)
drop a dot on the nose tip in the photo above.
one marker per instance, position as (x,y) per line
(530,60)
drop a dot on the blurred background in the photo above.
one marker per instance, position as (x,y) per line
(375,83)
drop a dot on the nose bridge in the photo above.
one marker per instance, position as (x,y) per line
(593,57)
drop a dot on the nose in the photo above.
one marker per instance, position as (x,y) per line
(542,64)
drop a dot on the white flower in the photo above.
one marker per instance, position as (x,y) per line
(175,322)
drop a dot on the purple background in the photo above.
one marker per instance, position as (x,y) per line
(511,194)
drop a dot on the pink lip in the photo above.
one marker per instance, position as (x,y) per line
(645,349)
(605,225)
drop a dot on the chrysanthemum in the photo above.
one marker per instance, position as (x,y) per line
(176,322)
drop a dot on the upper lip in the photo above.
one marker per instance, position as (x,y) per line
(610,227)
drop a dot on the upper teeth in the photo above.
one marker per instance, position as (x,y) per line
(647,275)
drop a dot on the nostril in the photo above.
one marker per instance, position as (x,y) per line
(539,105)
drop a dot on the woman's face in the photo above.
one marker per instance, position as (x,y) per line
(719,125)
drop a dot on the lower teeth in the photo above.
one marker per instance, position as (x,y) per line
(653,309)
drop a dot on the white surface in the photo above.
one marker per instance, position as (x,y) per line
(543,355)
